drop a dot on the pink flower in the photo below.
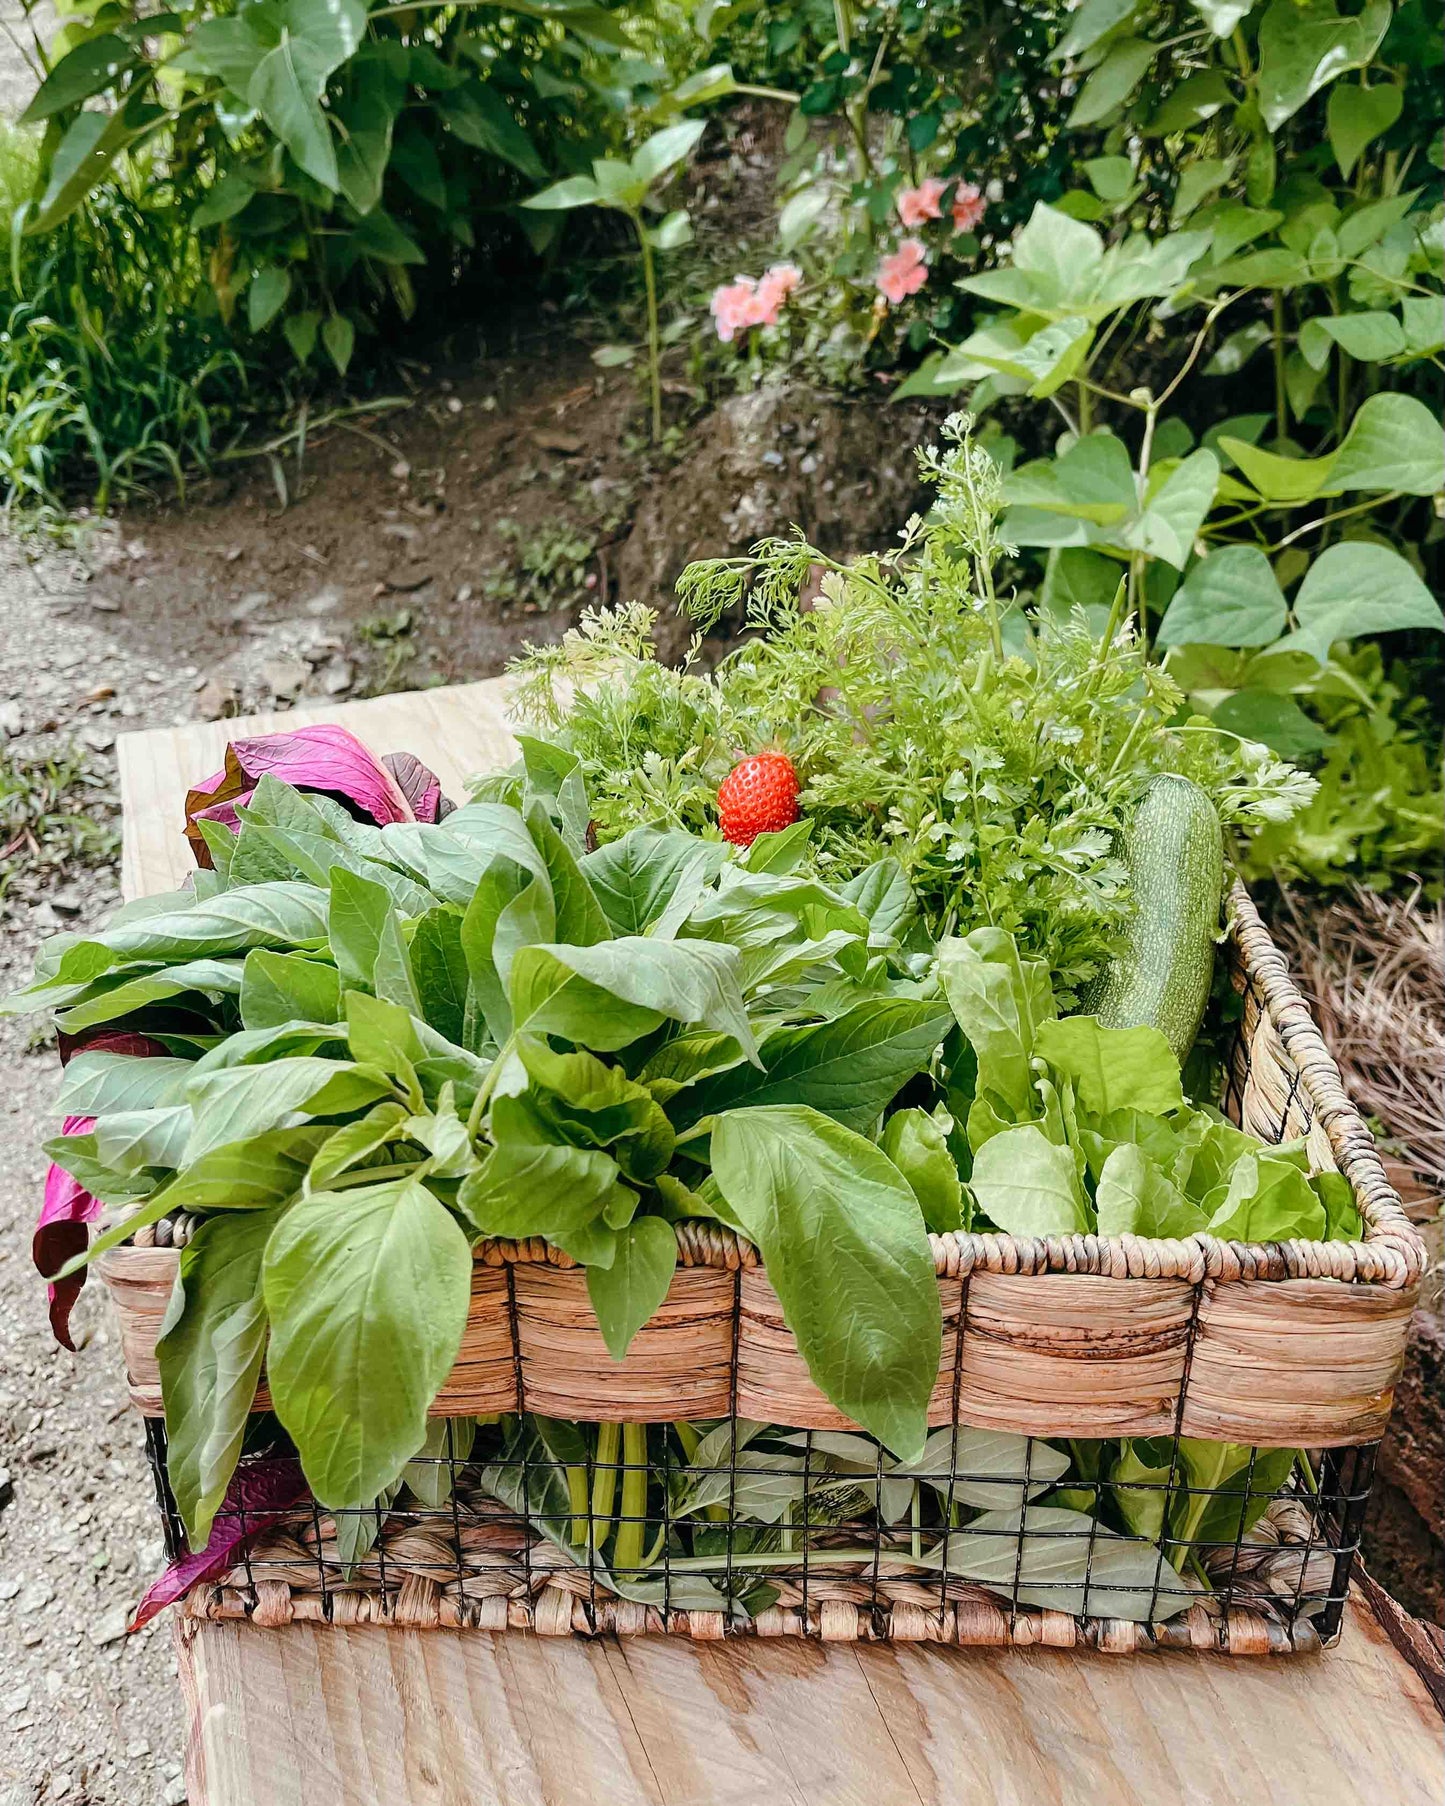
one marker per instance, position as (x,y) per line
(918,205)
(748,302)
(968,207)
(732,307)
(777,285)
(904,273)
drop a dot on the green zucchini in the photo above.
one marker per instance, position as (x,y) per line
(1175,854)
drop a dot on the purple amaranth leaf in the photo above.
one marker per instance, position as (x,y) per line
(62,1232)
(109,1040)
(260,1493)
(422,787)
(325,758)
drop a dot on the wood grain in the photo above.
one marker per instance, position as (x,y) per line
(317,1717)
(459,731)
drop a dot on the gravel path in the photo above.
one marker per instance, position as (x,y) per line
(87,1714)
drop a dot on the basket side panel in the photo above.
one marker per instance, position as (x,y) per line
(1074,1354)
(774,1385)
(1295,1361)
(679,1364)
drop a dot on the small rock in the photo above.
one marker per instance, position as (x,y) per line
(35,1598)
(43,916)
(11,720)
(285,676)
(215,699)
(110,1627)
(465,593)
(101,739)
(567,444)
(407,578)
(337,678)
(323,602)
(60,1785)
(9,1589)
(105,605)
(454,405)
(175,1792)
(233,553)
(137,1749)
(66,901)
(7,1497)
(249,604)
(398,529)
(15,1702)
(401,470)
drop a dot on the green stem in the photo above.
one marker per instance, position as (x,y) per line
(1281,394)
(654,336)
(627,1550)
(604,1480)
(1085,421)
(487,1087)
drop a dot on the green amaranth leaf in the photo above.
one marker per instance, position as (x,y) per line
(626,1294)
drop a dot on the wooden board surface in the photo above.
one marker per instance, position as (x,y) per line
(459,731)
(314,1717)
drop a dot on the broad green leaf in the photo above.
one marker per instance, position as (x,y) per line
(1094,20)
(1173,514)
(664,150)
(354,1142)
(95,1084)
(1026,1184)
(90,68)
(266,915)
(596,1105)
(626,1294)
(1279,479)
(1135,1198)
(364,146)
(1053,258)
(247,1100)
(378,235)
(526,1188)
(846,1250)
(253,1174)
(1112,1068)
(1064,1561)
(116,995)
(1232,225)
(1198,180)
(1092,481)
(991,1470)
(1357,588)
(1306,44)
(1198,97)
(1267,1200)
(209,1353)
(367,1292)
(580,918)
(1394,442)
(999,1001)
(850,1068)
(1371,337)
(882,894)
(801,212)
(338,335)
(635,979)
(284,987)
(431,1472)
(575,191)
(1221,16)
(479,116)
(1230,598)
(439,971)
(84,156)
(1424,324)
(1278,722)
(916,1145)
(1115,79)
(357,916)
(1356,116)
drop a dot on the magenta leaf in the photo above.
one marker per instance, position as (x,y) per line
(61,1232)
(324,758)
(260,1493)
(422,787)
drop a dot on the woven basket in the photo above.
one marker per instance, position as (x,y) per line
(1295,1344)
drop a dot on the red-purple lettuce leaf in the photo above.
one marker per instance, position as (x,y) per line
(62,1232)
(260,1493)
(323,757)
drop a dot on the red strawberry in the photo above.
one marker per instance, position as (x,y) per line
(758,796)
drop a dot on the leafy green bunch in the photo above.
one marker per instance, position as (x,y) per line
(381,1044)
(1063,1126)
(995,750)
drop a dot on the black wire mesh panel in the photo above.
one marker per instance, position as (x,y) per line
(742,1520)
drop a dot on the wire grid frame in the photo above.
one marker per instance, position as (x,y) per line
(749,1523)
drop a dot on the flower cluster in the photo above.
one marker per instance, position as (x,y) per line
(904,271)
(753,301)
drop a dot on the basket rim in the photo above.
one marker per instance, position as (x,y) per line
(1392,1253)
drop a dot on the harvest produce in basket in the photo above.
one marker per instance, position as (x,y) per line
(898,927)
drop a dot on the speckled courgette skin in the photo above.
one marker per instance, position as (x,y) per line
(1175,855)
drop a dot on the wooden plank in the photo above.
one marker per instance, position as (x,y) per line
(308,1716)
(459,731)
